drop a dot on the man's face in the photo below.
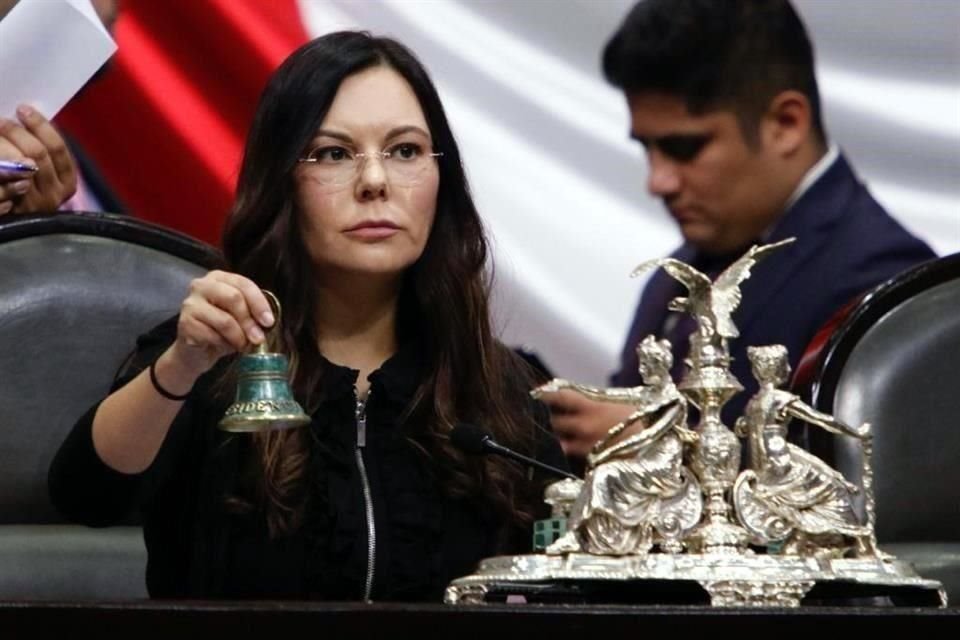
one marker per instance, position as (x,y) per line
(722,192)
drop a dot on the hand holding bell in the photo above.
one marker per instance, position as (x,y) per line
(264,400)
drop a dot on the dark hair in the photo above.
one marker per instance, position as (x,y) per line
(715,54)
(444,299)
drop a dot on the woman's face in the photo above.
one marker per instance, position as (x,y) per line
(367,195)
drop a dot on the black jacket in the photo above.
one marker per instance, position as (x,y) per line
(201,545)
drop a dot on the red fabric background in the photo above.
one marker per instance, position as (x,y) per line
(167,122)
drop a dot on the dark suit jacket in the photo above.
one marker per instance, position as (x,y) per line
(845,244)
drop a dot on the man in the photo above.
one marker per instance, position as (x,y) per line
(723,98)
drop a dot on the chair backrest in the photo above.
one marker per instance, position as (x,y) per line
(895,362)
(76,289)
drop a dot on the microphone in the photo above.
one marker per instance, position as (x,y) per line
(472,439)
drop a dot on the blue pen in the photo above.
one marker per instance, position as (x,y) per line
(13,166)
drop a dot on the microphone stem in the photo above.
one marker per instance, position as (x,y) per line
(519,457)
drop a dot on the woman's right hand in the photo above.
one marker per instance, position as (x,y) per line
(223,314)
(216,319)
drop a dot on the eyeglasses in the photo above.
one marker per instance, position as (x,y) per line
(404,163)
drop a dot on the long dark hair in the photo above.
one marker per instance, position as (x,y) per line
(444,298)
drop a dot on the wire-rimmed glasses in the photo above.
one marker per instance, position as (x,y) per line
(404,164)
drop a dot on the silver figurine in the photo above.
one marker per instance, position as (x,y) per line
(791,496)
(636,485)
(662,501)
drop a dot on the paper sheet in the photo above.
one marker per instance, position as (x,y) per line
(48,51)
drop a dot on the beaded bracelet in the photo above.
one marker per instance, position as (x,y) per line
(156,385)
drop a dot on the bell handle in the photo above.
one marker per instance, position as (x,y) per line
(277,313)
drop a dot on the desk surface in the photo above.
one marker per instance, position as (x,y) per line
(268,620)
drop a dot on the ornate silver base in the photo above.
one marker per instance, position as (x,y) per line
(729,580)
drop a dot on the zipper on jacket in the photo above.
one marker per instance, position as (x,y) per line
(361,420)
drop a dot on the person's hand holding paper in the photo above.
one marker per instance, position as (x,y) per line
(33,142)
(48,51)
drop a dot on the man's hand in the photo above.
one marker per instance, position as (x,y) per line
(550,387)
(579,422)
(35,141)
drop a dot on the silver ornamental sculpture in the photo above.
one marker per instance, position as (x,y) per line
(663,501)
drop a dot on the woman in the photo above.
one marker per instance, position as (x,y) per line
(352,206)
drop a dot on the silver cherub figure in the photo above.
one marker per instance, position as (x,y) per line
(636,491)
(790,495)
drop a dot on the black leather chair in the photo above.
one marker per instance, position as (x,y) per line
(75,291)
(894,361)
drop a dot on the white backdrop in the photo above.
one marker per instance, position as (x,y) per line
(561,187)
